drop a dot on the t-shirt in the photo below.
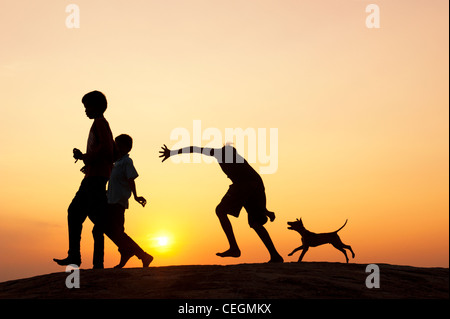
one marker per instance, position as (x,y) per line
(119,190)
(100,149)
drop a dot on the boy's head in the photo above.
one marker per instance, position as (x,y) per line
(124,143)
(95,104)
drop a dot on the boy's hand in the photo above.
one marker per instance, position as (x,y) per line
(141,200)
(77,154)
(165,153)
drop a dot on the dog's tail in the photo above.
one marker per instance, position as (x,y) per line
(342,226)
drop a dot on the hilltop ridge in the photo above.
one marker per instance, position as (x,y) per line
(251,281)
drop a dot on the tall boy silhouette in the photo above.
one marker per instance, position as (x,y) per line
(90,199)
(246,191)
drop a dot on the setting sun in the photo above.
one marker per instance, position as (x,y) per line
(162,241)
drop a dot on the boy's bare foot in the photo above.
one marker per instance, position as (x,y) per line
(123,260)
(146,260)
(271,215)
(276,259)
(230,253)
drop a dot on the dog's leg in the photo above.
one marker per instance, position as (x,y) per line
(350,248)
(340,247)
(295,250)
(305,249)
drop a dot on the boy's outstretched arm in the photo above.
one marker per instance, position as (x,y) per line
(166,153)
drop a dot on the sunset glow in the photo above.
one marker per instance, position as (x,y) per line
(360,115)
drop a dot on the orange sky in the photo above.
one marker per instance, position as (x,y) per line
(362,118)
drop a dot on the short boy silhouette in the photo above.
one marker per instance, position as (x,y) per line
(120,187)
(246,191)
(90,199)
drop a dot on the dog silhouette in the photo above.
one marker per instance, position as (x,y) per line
(310,239)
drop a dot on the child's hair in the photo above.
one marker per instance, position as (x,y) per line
(95,99)
(125,140)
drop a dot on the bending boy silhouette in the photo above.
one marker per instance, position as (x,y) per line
(246,191)
(90,199)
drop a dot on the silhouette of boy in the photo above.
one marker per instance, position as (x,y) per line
(90,199)
(120,187)
(246,191)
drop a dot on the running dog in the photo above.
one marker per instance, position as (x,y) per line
(310,239)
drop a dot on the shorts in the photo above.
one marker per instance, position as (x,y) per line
(251,196)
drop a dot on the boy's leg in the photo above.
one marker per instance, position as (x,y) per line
(113,225)
(257,217)
(76,215)
(99,247)
(234,250)
(231,204)
(97,214)
(115,230)
(128,248)
(265,237)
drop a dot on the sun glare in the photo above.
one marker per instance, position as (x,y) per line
(162,241)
